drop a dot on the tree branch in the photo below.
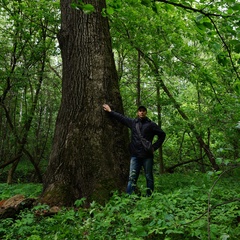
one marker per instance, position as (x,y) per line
(225,45)
(16,158)
(193,9)
(170,169)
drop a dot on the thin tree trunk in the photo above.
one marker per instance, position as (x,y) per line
(192,128)
(138,80)
(200,140)
(159,110)
(200,148)
(28,123)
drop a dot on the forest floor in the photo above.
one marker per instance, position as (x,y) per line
(183,206)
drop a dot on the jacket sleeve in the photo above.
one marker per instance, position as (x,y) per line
(161,136)
(122,119)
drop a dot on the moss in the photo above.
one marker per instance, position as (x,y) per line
(62,194)
(59,195)
(103,190)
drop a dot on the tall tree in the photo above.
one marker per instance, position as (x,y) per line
(89,155)
(188,52)
(27,46)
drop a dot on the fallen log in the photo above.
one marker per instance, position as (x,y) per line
(11,207)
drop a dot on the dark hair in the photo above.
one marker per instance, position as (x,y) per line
(142,107)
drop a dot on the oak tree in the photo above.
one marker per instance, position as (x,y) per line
(89,156)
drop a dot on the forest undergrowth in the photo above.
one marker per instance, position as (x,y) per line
(183,206)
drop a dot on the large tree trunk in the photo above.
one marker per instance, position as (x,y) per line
(89,156)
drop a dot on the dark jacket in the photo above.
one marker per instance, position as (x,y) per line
(148,130)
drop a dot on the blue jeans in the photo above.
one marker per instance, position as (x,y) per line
(135,166)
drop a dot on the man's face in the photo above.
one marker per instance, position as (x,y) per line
(142,113)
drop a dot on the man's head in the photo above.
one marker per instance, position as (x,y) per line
(142,112)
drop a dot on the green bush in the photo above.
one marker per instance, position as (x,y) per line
(182,207)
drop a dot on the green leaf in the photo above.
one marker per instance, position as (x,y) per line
(208,25)
(236,6)
(174,231)
(88,8)
(237,48)
(146,3)
(214,45)
(199,18)
(110,10)
(201,26)
(80,202)
(224,236)
(222,59)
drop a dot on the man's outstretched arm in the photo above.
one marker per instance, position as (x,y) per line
(118,116)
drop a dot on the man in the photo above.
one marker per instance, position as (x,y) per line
(140,156)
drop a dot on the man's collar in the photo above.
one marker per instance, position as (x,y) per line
(145,119)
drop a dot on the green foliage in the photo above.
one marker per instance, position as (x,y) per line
(178,209)
(193,45)
(87,8)
(29,88)
(28,190)
(195,54)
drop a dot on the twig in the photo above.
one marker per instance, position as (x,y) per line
(193,9)
(210,209)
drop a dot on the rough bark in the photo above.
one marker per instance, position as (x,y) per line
(89,156)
